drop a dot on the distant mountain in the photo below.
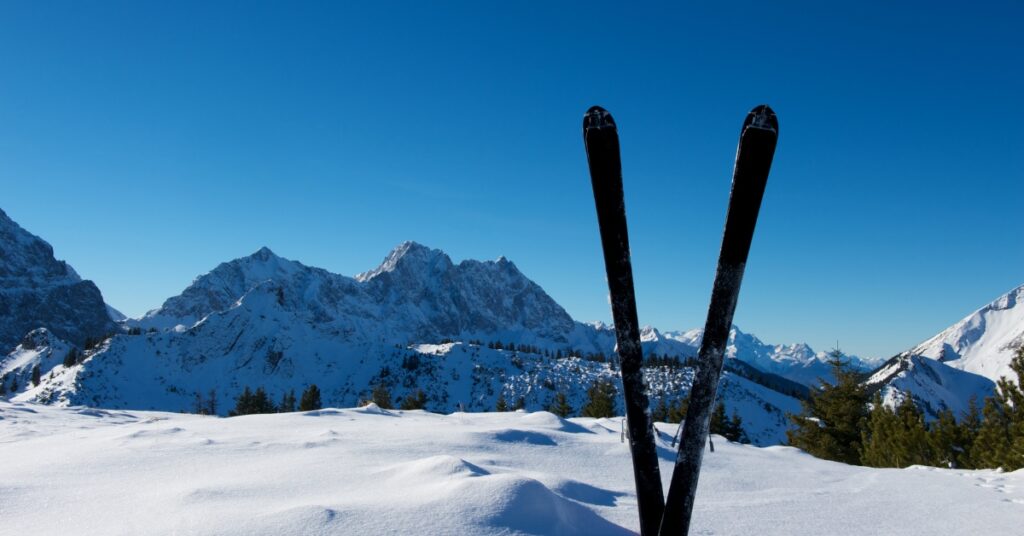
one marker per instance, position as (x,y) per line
(38,291)
(933,385)
(985,341)
(961,362)
(416,295)
(266,321)
(796,362)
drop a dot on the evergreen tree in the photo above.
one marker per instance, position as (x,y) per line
(252,402)
(560,406)
(830,424)
(71,358)
(36,375)
(310,399)
(211,402)
(660,411)
(1000,439)
(729,428)
(417,400)
(381,396)
(950,441)
(501,404)
(879,436)
(677,411)
(600,400)
(521,403)
(287,404)
(14,384)
(198,406)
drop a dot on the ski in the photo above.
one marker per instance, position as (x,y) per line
(753,161)
(601,139)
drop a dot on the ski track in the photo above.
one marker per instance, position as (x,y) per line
(87,471)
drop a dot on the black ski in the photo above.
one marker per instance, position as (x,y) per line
(753,161)
(602,143)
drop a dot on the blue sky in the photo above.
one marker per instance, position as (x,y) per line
(150,141)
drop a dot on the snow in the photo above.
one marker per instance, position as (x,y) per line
(372,471)
(985,341)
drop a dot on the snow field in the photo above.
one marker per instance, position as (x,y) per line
(369,471)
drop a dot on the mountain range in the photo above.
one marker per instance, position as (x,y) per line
(466,334)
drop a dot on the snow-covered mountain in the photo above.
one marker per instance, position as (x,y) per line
(263,320)
(416,295)
(267,321)
(985,341)
(797,362)
(38,291)
(961,362)
(933,385)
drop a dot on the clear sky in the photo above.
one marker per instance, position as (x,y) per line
(150,141)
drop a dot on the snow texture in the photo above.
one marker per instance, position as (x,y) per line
(374,471)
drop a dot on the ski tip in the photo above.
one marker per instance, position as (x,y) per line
(597,117)
(763,118)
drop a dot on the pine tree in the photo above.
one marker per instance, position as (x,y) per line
(252,402)
(211,402)
(501,404)
(735,431)
(912,445)
(1000,439)
(949,442)
(36,375)
(879,436)
(71,358)
(660,411)
(719,422)
(729,428)
(520,403)
(560,406)
(417,400)
(830,424)
(287,404)
(381,396)
(198,406)
(600,400)
(310,399)
(243,403)
(677,411)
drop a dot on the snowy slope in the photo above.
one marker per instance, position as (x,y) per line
(260,343)
(985,341)
(418,294)
(961,362)
(266,321)
(365,471)
(38,291)
(935,386)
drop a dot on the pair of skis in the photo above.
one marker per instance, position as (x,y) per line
(758,137)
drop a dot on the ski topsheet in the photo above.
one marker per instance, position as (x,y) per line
(753,161)
(602,143)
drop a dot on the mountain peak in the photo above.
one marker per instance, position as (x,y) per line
(408,254)
(263,254)
(985,341)
(37,290)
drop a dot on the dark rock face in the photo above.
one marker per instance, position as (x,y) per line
(37,290)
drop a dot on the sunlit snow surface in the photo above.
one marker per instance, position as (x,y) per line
(368,471)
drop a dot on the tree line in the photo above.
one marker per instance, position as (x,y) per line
(843,422)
